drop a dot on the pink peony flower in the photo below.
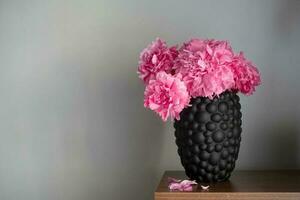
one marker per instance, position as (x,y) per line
(155,58)
(246,75)
(204,65)
(166,95)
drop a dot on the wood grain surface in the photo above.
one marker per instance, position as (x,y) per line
(243,185)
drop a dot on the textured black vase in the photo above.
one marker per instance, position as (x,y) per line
(208,137)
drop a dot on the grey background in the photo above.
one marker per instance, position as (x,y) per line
(72,122)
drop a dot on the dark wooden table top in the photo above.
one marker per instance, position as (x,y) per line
(279,184)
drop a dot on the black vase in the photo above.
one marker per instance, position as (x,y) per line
(208,137)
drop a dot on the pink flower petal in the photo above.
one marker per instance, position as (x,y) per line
(184,185)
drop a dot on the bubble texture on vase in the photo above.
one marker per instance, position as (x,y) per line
(208,137)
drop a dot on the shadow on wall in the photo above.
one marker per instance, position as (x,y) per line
(284,146)
(124,138)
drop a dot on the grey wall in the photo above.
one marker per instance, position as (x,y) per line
(72,122)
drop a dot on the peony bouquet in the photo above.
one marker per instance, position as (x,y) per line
(199,68)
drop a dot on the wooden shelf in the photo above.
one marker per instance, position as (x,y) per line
(243,185)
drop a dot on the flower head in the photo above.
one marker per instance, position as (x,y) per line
(155,58)
(246,75)
(167,95)
(204,65)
